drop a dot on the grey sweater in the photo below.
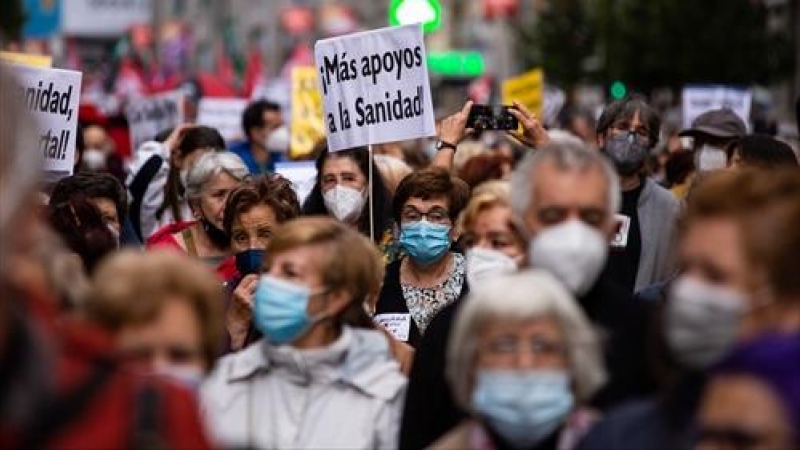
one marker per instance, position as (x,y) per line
(658,212)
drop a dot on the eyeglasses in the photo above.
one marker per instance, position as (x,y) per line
(642,134)
(436,215)
(538,346)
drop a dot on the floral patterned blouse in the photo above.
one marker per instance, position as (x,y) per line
(424,303)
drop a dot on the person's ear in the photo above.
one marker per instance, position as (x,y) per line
(194,206)
(601,140)
(455,233)
(337,302)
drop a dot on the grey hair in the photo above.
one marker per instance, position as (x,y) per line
(519,297)
(20,163)
(210,165)
(568,155)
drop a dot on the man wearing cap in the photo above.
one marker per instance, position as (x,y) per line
(712,131)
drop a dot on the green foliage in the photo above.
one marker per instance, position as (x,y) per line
(560,41)
(657,42)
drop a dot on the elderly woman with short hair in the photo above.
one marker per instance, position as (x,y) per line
(522,359)
(322,376)
(209,182)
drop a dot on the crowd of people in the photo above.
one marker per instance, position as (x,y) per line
(587,287)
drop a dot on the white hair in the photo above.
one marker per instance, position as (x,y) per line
(519,297)
(568,155)
(210,165)
(564,137)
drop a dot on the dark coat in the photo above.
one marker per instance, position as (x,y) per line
(430,410)
(664,423)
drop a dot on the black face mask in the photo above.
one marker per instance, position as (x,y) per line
(626,152)
(218,237)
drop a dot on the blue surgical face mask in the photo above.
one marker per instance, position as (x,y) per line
(524,407)
(280,310)
(424,241)
(249,261)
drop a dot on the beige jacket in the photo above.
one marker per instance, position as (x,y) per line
(348,395)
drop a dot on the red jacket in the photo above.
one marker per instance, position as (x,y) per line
(78,355)
(164,238)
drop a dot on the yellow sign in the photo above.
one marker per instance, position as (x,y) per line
(526,89)
(308,125)
(27,59)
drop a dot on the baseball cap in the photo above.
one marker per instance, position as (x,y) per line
(721,123)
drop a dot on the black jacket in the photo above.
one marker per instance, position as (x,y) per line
(664,423)
(430,410)
(391,300)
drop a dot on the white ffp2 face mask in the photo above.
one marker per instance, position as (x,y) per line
(94,159)
(483,264)
(702,321)
(711,158)
(344,203)
(573,252)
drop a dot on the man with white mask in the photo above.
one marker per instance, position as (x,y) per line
(565,195)
(712,131)
(266,137)
(738,253)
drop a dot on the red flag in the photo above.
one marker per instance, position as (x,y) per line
(130,81)
(225,72)
(254,72)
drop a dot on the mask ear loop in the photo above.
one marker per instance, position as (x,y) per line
(322,315)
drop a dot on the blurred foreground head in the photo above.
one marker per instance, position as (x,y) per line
(20,167)
(753,398)
(738,253)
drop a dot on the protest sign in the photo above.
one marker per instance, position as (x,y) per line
(302,174)
(26,59)
(52,97)
(224,114)
(308,125)
(375,87)
(104,17)
(526,89)
(552,104)
(398,324)
(699,99)
(149,115)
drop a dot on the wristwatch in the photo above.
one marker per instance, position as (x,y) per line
(441,145)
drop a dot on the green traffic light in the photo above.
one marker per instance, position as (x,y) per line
(618,90)
(427,12)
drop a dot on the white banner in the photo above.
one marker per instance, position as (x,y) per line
(375,87)
(104,17)
(699,99)
(52,97)
(224,114)
(302,174)
(147,116)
